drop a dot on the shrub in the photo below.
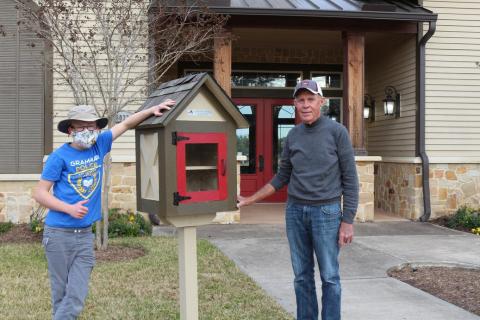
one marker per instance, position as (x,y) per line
(5,227)
(465,217)
(37,219)
(127,224)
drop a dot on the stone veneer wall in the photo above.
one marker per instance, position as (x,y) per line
(365,171)
(398,189)
(453,185)
(397,186)
(16,203)
(123,189)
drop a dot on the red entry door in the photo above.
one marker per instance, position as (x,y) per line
(270,121)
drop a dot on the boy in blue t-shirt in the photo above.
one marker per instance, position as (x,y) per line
(75,172)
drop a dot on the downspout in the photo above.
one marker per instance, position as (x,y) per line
(427,210)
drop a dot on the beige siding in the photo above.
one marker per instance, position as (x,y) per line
(453,81)
(124,147)
(63,101)
(390,60)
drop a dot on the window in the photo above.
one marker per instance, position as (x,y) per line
(258,79)
(333,109)
(328,80)
(265,79)
(201,166)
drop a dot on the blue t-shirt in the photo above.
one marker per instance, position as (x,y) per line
(77,175)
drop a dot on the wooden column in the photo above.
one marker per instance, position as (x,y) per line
(354,78)
(222,62)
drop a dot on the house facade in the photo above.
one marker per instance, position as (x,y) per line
(420,162)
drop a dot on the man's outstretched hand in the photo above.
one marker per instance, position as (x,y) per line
(242,201)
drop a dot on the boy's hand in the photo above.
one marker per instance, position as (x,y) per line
(78,210)
(165,105)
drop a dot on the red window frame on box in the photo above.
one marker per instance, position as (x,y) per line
(220,140)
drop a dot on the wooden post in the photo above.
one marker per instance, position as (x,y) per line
(222,62)
(187,264)
(354,78)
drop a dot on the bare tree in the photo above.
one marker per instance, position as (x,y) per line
(110,52)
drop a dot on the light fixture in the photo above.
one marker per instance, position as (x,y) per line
(391,103)
(368,108)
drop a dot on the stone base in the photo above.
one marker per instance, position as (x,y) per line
(398,189)
(365,171)
(452,186)
(227,217)
(16,203)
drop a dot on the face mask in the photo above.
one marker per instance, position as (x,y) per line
(85,138)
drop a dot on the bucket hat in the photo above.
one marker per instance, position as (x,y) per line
(82,113)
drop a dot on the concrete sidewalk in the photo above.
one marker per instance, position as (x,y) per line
(261,251)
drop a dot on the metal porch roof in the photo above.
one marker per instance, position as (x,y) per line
(403,10)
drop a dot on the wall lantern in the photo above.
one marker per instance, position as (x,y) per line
(391,103)
(368,108)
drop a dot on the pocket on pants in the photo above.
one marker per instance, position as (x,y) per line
(45,242)
(332,209)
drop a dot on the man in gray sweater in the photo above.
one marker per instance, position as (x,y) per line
(318,164)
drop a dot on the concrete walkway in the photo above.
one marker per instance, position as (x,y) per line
(261,251)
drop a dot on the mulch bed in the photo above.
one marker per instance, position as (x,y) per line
(22,234)
(442,221)
(459,286)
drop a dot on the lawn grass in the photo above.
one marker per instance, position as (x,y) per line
(144,288)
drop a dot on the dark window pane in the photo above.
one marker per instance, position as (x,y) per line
(283,122)
(332,109)
(264,79)
(328,80)
(259,79)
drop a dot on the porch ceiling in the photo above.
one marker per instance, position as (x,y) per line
(402,10)
(286,38)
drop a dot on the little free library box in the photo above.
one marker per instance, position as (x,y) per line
(186,159)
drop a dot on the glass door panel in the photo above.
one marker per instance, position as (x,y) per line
(333,109)
(246,139)
(283,122)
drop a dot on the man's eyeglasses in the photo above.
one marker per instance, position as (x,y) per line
(82,128)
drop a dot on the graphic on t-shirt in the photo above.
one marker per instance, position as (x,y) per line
(86,180)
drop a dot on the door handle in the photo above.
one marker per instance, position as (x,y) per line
(261,163)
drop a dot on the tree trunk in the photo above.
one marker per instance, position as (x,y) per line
(98,235)
(107,165)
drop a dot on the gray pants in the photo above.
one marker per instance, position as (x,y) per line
(70,259)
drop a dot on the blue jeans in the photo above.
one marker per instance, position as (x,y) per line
(314,228)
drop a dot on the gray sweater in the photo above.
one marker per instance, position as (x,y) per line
(318,164)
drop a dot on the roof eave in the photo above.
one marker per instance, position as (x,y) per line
(365,15)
